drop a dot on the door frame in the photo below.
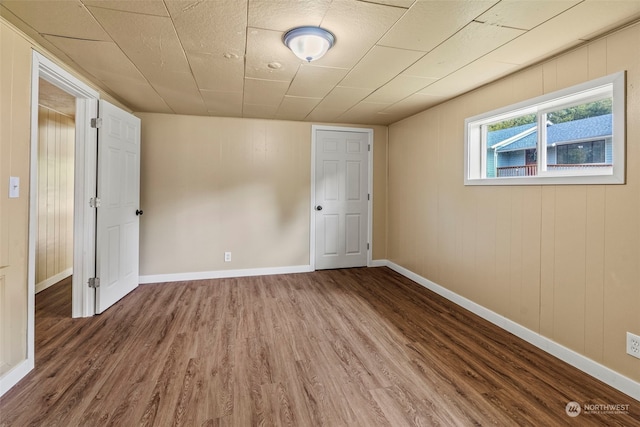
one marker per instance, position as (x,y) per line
(312,215)
(85,166)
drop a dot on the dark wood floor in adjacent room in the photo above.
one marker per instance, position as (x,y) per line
(354,347)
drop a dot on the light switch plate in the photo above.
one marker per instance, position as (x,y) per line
(14,187)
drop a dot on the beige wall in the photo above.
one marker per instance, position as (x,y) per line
(54,244)
(15,99)
(15,132)
(562,261)
(210,185)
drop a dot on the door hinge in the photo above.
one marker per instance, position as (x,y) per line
(367,246)
(368,147)
(94,282)
(96,123)
(368,196)
(94,202)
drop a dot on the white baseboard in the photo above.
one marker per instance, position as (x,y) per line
(11,377)
(53,280)
(595,369)
(223,274)
(378,263)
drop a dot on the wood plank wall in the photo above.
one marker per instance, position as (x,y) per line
(560,260)
(54,246)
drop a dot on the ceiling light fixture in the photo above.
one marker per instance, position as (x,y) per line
(309,43)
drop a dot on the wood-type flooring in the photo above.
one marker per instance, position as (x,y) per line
(354,347)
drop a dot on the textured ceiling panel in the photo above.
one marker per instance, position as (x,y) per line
(429,23)
(391,58)
(59,18)
(140,96)
(342,98)
(470,43)
(357,27)
(268,58)
(296,108)
(477,73)
(566,30)
(525,14)
(380,65)
(147,7)
(398,88)
(110,63)
(283,15)
(215,72)
(398,3)
(223,104)
(413,104)
(313,82)
(365,113)
(264,92)
(214,27)
(153,45)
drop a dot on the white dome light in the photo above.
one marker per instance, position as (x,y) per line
(309,43)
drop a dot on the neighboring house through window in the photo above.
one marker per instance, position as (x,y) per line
(573,136)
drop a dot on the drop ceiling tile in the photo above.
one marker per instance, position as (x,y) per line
(342,98)
(283,15)
(265,48)
(296,108)
(216,72)
(428,23)
(214,27)
(60,18)
(468,44)
(524,14)
(147,7)
(399,88)
(357,27)
(264,92)
(566,30)
(223,104)
(379,66)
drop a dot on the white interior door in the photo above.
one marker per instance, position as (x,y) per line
(341,206)
(117,228)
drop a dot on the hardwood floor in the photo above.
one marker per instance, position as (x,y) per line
(355,347)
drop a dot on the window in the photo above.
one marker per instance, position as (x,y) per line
(573,136)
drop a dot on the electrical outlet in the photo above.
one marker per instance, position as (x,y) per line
(227,257)
(633,345)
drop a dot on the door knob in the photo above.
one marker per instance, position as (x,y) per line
(139,212)
(318,208)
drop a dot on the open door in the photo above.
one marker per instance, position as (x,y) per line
(118,197)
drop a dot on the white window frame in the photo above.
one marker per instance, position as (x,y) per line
(475,149)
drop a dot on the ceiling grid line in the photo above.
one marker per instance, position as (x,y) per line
(392,59)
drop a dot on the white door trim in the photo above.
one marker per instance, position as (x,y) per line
(84,185)
(312,215)
(84,218)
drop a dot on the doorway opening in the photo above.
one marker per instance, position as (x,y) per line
(56,146)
